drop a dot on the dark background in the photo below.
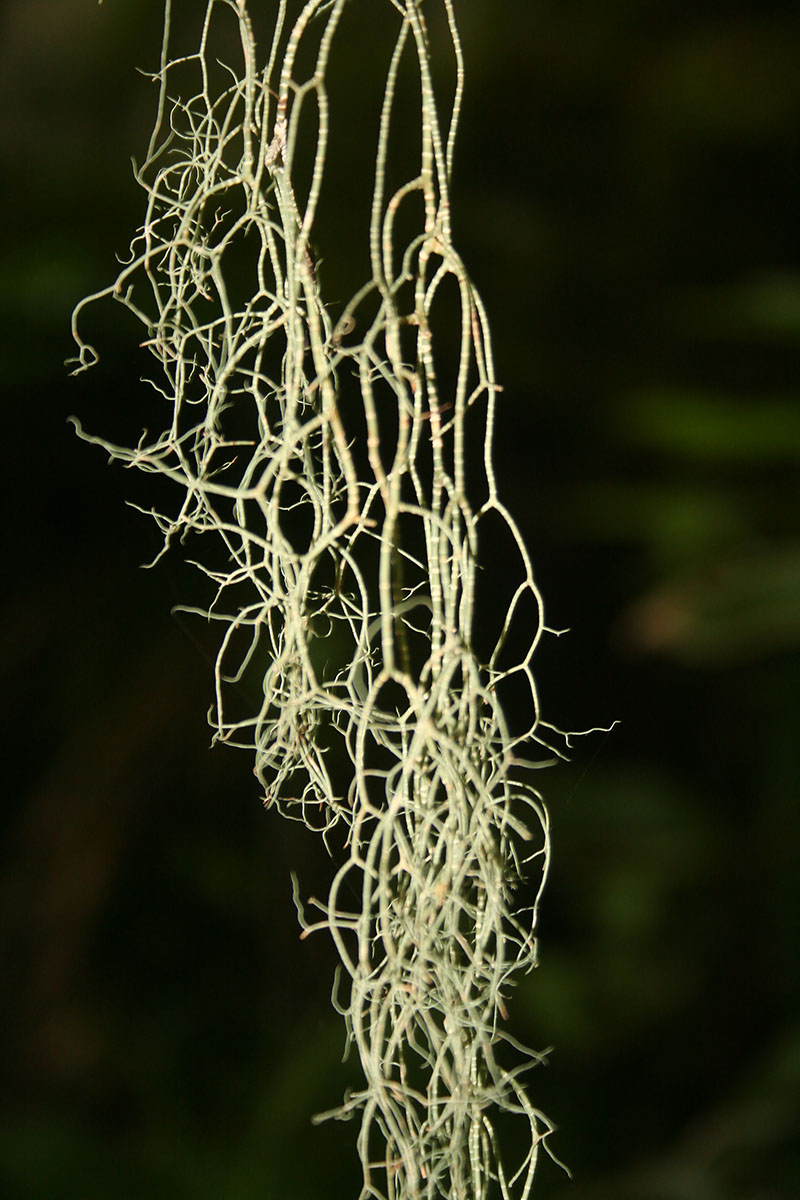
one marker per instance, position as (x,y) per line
(626,198)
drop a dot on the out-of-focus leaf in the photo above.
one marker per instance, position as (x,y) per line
(721,428)
(727,81)
(676,521)
(737,608)
(766,306)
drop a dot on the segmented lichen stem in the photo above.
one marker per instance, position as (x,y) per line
(327,459)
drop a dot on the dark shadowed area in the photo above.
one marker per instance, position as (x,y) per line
(627,199)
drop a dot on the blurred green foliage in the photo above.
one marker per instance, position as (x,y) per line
(627,199)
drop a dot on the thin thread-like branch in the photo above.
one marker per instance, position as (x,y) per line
(346,593)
